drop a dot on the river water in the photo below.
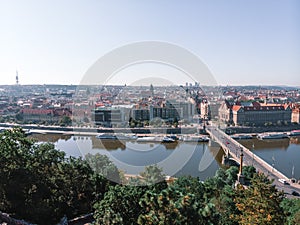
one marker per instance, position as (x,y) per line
(283,154)
(180,158)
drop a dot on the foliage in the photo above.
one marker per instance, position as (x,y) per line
(103,166)
(182,202)
(259,203)
(152,175)
(65,121)
(248,172)
(219,191)
(119,205)
(41,185)
(291,208)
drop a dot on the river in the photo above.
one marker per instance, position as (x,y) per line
(283,154)
(180,158)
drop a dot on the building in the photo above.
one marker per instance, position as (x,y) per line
(261,114)
(225,112)
(166,113)
(142,114)
(114,116)
(204,110)
(296,114)
(185,109)
(254,113)
(44,115)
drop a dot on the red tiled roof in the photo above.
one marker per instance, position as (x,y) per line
(261,107)
(236,107)
(255,104)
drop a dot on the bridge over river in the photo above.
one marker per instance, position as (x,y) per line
(234,149)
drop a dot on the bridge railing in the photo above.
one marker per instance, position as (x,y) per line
(269,169)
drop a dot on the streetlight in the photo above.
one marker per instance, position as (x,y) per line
(241,177)
(273,164)
(252,154)
(241,163)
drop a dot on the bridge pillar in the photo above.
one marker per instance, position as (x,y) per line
(213,143)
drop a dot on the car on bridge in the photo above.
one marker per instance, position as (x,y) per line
(283,181)
(295,193)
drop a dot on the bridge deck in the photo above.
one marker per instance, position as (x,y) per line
(233,148)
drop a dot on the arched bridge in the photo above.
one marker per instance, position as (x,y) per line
(234,149)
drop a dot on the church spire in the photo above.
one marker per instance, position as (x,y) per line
(17,77)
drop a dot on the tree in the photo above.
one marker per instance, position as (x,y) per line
(249,172)
(39,184)
(152,175)
(103,166)
(120,205)
(291,209)
(259,203)
(65,121)
(219,192)
(182,202)
(19,117)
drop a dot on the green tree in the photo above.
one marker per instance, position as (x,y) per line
(291,208)
(249,172)
(182,202)
(152,175)
(103,166)
(219,191)
(120,205)
(39,184)
(19,117)
(65,121)
(259,203)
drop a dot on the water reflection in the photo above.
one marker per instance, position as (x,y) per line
(283,154)
(108,144)
(295,140)
(266,144)
(171,146)
(52,138)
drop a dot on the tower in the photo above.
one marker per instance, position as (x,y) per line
(152,90)
(17,78)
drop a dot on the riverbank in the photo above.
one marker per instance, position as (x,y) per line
(142,130)
(234,130)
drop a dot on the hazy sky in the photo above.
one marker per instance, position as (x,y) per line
(241,42)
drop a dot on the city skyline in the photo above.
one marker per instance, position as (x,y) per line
(242,43)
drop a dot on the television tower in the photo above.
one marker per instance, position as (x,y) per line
(17,78)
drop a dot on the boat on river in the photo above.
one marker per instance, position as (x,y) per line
(149,139)
(126,137)
(241,136)
(195,139)
(167,139)
(107,136)
(295,133)
(272,136)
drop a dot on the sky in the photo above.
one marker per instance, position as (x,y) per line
(254,42)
